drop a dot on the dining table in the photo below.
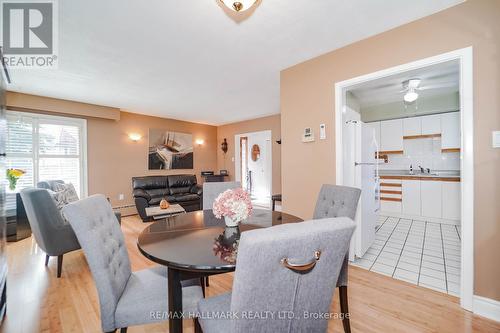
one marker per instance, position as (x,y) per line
(196,245)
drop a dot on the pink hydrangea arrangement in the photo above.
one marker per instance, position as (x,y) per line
(234,204)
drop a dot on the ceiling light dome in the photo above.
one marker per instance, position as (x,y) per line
(238,6)
(411,96)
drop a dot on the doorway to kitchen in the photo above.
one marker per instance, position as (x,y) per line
(405,138)
(253,165)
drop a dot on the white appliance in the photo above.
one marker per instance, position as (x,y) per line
(367,179)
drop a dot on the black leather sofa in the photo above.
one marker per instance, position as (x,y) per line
(176,189)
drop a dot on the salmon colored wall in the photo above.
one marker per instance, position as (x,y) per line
(112,158)
(307,99)
(228,131)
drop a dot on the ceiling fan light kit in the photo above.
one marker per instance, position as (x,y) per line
(410,87)
(238,6)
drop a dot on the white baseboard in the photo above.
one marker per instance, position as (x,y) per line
(486,307)
(420,218)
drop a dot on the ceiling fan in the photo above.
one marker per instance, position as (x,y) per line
(411,88)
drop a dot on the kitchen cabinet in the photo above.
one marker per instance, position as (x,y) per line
(451,205)
(450,130)
(411,197)
(412,126)
(431,197)
(391,135)
(431,124)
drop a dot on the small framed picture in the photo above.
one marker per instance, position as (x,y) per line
(223,173)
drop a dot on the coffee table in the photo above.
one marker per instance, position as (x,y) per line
(157,213)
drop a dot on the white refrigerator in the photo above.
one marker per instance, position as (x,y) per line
(367,179)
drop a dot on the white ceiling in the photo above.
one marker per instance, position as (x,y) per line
(440,79)
(189,60)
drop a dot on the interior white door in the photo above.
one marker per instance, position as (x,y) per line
(259,165)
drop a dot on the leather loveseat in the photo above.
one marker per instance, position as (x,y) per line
(176,189)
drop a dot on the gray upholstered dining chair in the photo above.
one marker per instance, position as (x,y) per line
(299,263)
(126,298)
(339,201)
(212,189)
(52,233)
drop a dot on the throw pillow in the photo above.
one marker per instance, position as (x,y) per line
(64,194)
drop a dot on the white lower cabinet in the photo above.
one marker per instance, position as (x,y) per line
(431,194)
(390,206)
(411,197)
(451,200)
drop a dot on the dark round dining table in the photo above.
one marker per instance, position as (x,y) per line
(197,245)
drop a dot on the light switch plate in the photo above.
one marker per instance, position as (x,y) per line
(496,139)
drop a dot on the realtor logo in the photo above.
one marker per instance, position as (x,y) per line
(29,33)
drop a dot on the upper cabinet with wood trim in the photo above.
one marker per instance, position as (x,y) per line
(391,135)
(412,126)
(431,124)
(450,130)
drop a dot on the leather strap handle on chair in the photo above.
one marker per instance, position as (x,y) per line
(301,267)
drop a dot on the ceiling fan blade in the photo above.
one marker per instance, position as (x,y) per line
(438,85)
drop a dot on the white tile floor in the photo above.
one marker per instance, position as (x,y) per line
(420,252)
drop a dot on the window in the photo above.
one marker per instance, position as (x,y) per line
(46,147)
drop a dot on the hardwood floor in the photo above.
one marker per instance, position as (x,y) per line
(39,302)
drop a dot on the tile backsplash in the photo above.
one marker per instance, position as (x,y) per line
(425,152)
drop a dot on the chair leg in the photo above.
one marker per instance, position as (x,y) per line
(59,265)
(197,327)
(47,259)
(202,282)
(123,330)
(206,282)
(344,309)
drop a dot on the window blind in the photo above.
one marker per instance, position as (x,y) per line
(46,148)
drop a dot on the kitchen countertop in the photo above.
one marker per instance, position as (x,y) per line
(433,174)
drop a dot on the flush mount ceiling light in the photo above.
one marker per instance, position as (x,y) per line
(238,6)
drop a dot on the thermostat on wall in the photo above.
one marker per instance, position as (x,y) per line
(308,135)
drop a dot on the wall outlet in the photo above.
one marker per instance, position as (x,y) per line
(121,196)
(232,159)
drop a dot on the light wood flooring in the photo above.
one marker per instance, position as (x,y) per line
(39,302)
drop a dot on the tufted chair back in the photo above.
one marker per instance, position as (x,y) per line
(337,201)
(287,291)
(102,242)
(211,191)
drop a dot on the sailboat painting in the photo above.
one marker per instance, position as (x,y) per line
(170,150)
